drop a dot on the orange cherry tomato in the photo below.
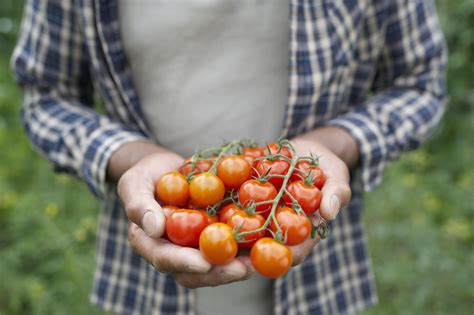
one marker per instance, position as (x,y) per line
(206,189)
(227,211)
(234,170)
(307,196)
(217,244)
(270,258)
(243,222)
(199,167)
(295,227)
(172,189)
(183,227)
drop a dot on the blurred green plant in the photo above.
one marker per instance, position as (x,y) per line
(420,221)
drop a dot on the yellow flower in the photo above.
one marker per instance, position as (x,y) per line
(431,201)
(62,178)
(36,289)
(420,158)
(457,227)
(7,200)
(80,235)
(51,210)
(409,180)
(465,181)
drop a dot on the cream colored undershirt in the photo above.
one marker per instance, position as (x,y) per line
(208,71)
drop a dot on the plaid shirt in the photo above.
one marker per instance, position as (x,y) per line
(373,67)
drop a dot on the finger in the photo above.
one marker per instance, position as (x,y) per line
(136,190)
(166,256)
(237,270)
(301,251)
(336,194)
(336,190)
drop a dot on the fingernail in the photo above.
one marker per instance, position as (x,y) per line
(335,206)
(149,223)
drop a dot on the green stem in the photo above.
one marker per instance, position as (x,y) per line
(221,154)
(277,199)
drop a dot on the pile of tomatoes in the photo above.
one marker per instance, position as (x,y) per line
(241,195)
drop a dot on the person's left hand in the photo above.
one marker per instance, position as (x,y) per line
(336,190)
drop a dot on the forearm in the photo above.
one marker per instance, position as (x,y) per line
(130,153)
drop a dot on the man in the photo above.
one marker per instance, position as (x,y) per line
(365,84)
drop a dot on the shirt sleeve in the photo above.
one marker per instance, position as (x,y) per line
(410,92)
(51,64)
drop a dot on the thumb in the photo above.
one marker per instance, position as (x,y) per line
(336,194)
(137,196)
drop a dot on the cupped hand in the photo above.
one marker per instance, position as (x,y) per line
(336,190)
(135,188)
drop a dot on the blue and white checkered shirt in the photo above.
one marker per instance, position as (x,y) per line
(373,67)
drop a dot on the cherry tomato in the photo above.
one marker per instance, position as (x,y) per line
(255,191)
(302,170)
(275,167)
(190,205)
(275,149)
(252,153)
(227,211)
(234,170)
(243,222)
(217,244)
(172,189)
(206,189)
(167,210)
(308,196)
(199,167)
(184,226)
(210,218)
(270,258)
(295,227)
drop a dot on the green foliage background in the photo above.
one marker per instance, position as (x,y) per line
(420,221)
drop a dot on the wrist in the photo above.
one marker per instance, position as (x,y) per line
(129,154)
(337,140)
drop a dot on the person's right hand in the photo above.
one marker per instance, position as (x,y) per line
(135,188)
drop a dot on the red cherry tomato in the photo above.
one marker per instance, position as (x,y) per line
(243,222)
(295,227)
(167,210)
(199,167)
(275,149)
(217,244)
(227,211)
(255,191)
(302,170)
(234,170)
(210,218)
(270,258)
(206,189)
(275,167)
(252,153)
(172,189)
(307,196)
(183,227)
